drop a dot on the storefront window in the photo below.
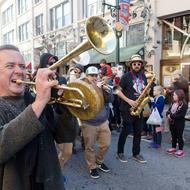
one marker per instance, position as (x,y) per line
(174,39)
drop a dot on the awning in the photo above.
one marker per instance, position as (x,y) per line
(125,54)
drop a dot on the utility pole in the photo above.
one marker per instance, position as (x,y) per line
(117,60)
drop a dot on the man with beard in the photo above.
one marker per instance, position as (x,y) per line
(130,87)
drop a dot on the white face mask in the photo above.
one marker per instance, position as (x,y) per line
(119,71)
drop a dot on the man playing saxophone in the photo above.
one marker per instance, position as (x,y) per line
(131,86)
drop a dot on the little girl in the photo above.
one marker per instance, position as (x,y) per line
(158,102)
(176,117)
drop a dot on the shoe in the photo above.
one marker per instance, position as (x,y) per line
(103,167)
(171,150)
(139,159)
(154,145)
(94,173)
(121,157)
(151,145)
(179,154)
(148,137)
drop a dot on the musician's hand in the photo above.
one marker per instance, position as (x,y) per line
(99,84)
(43,89)
(60,91)
(132,103)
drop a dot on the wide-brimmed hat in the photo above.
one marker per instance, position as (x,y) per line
(134,58)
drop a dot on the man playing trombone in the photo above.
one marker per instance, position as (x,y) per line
(28,157)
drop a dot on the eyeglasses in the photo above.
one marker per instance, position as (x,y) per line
(136,64)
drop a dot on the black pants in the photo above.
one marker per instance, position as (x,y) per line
(177,136)
(131,124)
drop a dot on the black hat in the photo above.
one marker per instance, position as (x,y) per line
(79,66)
(44,59)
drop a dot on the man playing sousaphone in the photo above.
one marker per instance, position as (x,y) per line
(96,129)
(131,86)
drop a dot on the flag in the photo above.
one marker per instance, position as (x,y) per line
(124,13)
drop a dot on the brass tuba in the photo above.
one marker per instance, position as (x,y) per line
(83,99)
(143,99)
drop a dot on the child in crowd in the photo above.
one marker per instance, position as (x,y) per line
(158,102)
(176,117)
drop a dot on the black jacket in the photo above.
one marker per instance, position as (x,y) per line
(178,118)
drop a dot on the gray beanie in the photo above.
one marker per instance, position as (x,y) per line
(79,66)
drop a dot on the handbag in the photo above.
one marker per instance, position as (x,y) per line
(154,118)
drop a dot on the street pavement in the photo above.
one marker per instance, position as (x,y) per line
(162,171)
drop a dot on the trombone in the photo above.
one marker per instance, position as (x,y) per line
(83,99)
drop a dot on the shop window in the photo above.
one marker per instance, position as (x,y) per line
(173,39)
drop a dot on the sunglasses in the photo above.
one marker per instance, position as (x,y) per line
(93,75)
(77,72)
(136,64)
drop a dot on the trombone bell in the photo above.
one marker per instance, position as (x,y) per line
(100,36)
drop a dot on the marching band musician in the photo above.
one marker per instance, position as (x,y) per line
(65,148)
(96,129)
(131,86)
(28,157)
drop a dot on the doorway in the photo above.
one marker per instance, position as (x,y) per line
(185,69)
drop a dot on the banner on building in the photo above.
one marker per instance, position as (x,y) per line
(124,13)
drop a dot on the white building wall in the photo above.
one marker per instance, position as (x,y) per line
(169,7)
(159,9)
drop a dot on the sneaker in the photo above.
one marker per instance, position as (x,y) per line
(171,150)
(121,157)
(139,159)
(103,167)
(94,173)
(179,154)
(148,137)
(151,145)
(154,145)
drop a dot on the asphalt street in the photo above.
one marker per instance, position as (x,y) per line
(162,171)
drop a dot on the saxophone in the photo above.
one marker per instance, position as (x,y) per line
(143,99)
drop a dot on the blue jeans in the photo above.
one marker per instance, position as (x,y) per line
(157,136)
